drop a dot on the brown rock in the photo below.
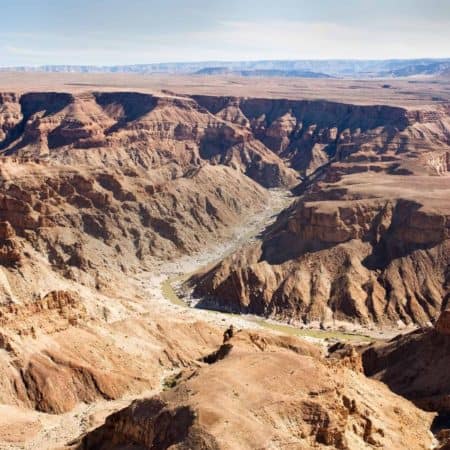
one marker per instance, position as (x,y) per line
(414,365)
(256,397)
(443,323)
(364,235)
(6,231)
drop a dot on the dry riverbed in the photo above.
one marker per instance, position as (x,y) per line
(165,290)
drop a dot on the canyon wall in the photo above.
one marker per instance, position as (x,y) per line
(97,187)
(368,238)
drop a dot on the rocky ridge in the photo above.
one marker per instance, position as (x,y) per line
(368,239)
(300,400)
(413,365)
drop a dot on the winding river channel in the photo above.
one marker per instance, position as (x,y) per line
(172,275)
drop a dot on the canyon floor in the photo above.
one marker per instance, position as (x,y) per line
(223,263)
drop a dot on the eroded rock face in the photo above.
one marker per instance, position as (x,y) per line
(57,355)
(134,125)
(267,391)
(311,133)
(10,114)
(414,365)
(443,323)
(10,248)
(357,263)
(367,241)
(92,223)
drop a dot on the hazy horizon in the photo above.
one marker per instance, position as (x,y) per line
(102,33)
(223,61)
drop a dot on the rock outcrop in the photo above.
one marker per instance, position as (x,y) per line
(267,392)
(56,355)
(368,239)
(414,365)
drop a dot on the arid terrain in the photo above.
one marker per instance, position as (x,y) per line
(396,92)
(133,208)
(367,239)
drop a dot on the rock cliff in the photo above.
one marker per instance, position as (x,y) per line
(368,238)
(414,365)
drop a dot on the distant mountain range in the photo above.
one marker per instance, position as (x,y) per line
(262,73)
(295,68)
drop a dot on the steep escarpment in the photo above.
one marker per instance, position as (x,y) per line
(268,391)
(311,133)
(10,114)
(414,365)
(321,273)
(151,131)
(367,241)
(89,223)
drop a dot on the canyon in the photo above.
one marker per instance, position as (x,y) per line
(324,214)
(367,239)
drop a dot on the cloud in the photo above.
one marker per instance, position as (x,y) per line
(304,40)
(235,40)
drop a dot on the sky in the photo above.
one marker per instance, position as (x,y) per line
(113,32)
